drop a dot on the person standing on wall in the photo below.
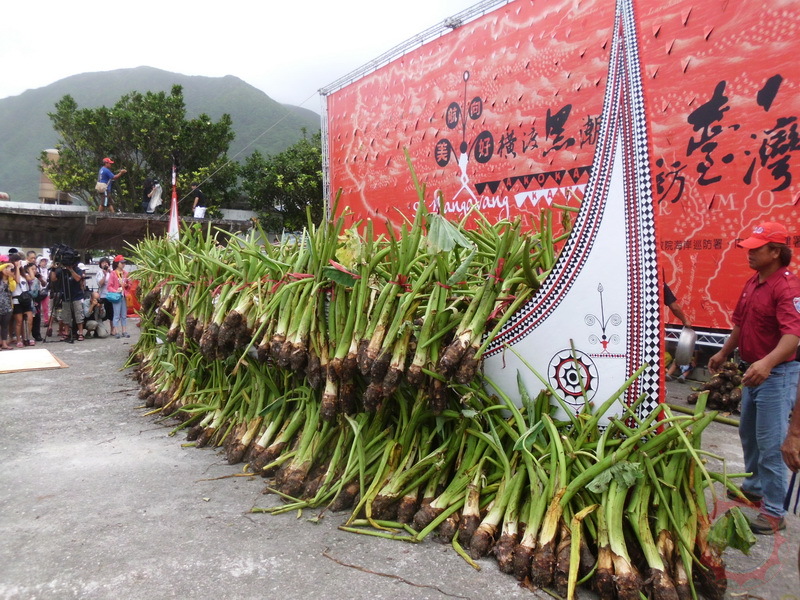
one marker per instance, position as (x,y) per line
(105,184)
(200,204)
(147,190)
(766,330)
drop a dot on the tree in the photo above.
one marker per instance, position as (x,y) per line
(143,133)
(280,187)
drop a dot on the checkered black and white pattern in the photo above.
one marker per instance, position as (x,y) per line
(577,248)
(623,122)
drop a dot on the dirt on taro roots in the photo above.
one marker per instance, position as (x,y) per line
(98,501)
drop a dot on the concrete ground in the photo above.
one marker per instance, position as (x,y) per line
(97,501)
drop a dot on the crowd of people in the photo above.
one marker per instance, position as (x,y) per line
(39,299)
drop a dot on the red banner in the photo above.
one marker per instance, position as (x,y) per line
(503,114)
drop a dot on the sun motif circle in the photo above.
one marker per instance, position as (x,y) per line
(573,373)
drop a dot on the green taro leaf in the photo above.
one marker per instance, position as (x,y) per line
(340,277)
(625,473)
(731,530)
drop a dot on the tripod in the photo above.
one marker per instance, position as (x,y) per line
(58,298)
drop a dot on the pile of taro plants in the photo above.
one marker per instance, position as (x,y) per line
(344,368)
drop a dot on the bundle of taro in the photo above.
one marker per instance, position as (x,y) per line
(344,370)
(724,389)
(352,314)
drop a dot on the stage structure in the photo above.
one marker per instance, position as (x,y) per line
(671,137)
(595,321)
(500,107)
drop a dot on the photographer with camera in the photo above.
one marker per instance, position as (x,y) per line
(66,279)
(94,314)
(22,301)
(7,285)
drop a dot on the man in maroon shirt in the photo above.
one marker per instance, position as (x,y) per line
(766,329)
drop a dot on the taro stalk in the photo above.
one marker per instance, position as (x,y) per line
(684,511)
(711,577)
(444,239)
(295,349)
(285,300)
(544,558)
(385,357)
(576,543)
(319,364)
(525,435)
(711,574)
(273,411)
(290,479)
(514,555)
(604,574)
(254,396)
(483,539)
(347,308)
(435,306)
(418,462)
(279,307)
(388,368)
(471,514)
(324,488)
(369,435)
(375,325)
(670,511)
(466,342)
(222,297)
(266,462)
(480,539)
(627,580)
(610,530)
(386,306)
(258,268)
(454,494)
(368,255)
(523,552)
(638,513)
(509,536)
(404,253)
(232,403)
(422,464)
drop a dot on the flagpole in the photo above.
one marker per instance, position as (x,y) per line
(172,230)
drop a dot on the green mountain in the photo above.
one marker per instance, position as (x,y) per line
(25,130)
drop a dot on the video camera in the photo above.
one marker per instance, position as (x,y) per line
(65,256)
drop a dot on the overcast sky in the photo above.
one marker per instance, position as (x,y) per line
(288,49)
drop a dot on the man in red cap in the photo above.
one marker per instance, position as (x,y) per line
(766,329)
(105,181)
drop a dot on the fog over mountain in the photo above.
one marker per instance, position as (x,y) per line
(25,128)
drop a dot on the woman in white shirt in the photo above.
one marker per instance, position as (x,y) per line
(101,279)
